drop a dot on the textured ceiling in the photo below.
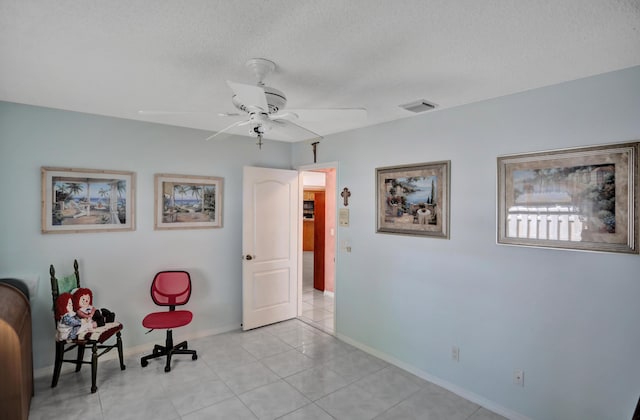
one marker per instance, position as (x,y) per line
(118,57)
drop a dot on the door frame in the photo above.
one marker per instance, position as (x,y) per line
(310,168)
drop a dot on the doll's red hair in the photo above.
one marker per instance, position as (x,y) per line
(61,304)
(79,293)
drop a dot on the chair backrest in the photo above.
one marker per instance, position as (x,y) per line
(64,284)
(171,288)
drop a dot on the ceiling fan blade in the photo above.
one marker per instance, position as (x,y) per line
(289,116)
(294,131)
(224,130)
(252,97)
(331,114)
(159,112)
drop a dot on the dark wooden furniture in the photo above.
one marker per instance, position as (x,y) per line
(313,233)
(94,340)
(307,234)
(307,220)
(16,362)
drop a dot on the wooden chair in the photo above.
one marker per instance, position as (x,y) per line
(94,339)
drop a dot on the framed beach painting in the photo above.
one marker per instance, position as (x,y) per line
(581,199)
(87,200)
(188,202)
(414,199)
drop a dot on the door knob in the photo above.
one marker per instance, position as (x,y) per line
(249,257)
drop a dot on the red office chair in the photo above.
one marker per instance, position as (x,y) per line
(169,288)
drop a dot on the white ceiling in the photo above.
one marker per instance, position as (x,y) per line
(117,57)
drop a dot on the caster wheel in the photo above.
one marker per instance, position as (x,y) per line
(194,357)
(167,368)
(144,363)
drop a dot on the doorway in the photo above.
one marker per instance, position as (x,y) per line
(318,248)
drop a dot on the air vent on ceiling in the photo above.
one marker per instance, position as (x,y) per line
(419,106)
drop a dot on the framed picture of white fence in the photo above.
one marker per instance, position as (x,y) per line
(414,199)
(87,200)
(188,202)
(580,199)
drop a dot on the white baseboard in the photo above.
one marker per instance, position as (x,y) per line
(471,396)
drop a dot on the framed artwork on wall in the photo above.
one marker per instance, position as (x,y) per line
(414,199)
(188,202)
(581,198)
(87,200)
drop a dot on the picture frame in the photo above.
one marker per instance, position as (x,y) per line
(582,198)
(188,202)
(414,199)
(78,200)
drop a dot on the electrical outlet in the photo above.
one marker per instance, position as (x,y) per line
(518,377)
(455,353)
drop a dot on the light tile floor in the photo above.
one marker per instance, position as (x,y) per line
(317,307)
(288,370)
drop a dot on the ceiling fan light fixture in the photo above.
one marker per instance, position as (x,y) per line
(421,105)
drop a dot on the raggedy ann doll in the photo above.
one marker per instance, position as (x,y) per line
(83,305)
(69,325)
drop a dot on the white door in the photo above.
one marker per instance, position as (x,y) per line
(270,233)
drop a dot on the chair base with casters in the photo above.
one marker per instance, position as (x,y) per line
(95,339)
(169,288)
(168,350)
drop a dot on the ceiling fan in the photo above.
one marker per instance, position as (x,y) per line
(264,108)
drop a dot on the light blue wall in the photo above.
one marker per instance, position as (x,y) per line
(119,266)
(569,319)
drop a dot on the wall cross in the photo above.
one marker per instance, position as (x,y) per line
(345,194)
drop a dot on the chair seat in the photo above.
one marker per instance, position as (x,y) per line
(167,320)
(99,334)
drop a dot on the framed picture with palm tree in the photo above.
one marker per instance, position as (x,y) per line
(414,199)
(87,200)
(188,201)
